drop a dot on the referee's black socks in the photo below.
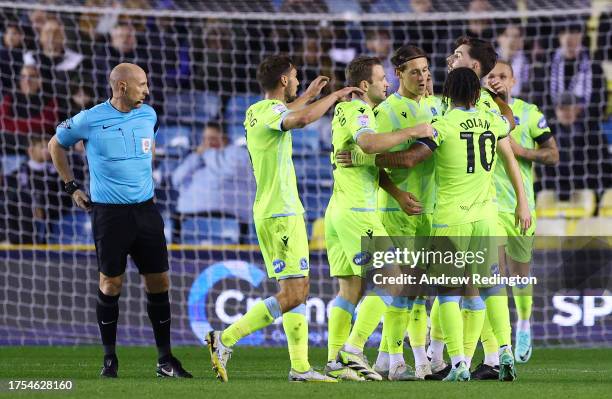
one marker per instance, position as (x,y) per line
(107,311)
(158,308)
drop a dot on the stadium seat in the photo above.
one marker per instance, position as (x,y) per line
(551,227)
(72,228)
(315,198)
(10,163)
(305,141)
(210,230)
(605,204)
(235,131)
(581,204)
(173,140)
(594,227)
(317,238)
(236,106)
(315,169)
(193,106)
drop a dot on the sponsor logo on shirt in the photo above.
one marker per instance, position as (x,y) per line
(278,265)
(362,258)
(434,111)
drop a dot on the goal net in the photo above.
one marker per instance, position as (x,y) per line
(201,58)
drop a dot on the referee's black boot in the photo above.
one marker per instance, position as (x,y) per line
(110,366)
(169,366)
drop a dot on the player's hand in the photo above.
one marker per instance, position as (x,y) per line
(345,93)
(499,88)
(409,203)
(429,85)
(344,159)
(522,218)
(422,131)
(82,200)
(315,87)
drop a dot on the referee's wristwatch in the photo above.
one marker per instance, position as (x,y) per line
(71,186)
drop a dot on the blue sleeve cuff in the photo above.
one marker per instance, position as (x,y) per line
(362,131)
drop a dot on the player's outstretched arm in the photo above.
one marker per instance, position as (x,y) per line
(300,118)
(522,214)
(408,158)
(409,203)
(547,153)
(373,143)
(313,90)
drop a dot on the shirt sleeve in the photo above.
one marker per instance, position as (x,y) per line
(538,126)
(360,123)
(438,135)
(502,126)
(72,130)
(275,115)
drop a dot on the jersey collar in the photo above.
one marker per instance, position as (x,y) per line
(113,107)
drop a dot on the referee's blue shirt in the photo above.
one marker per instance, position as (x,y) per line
(119,147)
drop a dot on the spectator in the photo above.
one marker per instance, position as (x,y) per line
(81,97)
(28,111)
(11,56)
(57,63)
(571,66)
(584,161)
(379,44)
(216,179)
(480,28)
(124,48)
(304,6)
(315,59)
(35,196)
(511,43)
(32,27)
(214,69)
(432,36)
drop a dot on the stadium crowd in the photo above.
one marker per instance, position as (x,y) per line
(202,79)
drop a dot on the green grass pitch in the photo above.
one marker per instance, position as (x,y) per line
(262,373)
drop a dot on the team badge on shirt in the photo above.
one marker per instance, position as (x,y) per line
(542,124)
(146,145)
(363,120)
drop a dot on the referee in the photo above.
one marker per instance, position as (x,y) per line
(119,137)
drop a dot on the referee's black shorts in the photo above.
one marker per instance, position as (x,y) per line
(134,229)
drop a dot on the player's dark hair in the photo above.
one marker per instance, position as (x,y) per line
(271,69)
(360,69)
(406,53)
(508,64)
(462,87)
(480,50)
